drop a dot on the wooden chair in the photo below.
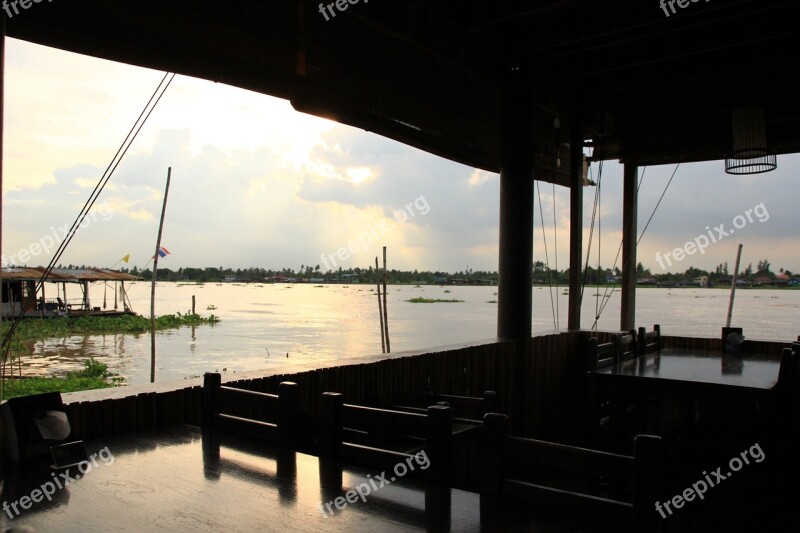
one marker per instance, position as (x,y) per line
(627,345)
(258,415)
(511,468)
(649,341)
(600,355)
(381,438)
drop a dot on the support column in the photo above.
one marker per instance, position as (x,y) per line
(2,106)
(575,225)
(629,233)
(514,311)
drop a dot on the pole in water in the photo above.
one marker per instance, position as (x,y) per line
(733,286)
(385,315)
(380,310)
(153,285)
(193,304)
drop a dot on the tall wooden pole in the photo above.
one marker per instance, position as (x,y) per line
(153,284)
(733,286)
(380,309)
(385,315)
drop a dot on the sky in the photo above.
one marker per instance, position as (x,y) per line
(257,184)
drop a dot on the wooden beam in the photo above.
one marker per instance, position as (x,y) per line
(629,219)
(575,227)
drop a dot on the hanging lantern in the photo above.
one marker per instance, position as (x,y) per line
(750,154)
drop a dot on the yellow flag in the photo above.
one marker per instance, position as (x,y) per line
(126,258)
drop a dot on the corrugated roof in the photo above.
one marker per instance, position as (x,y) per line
(66,275)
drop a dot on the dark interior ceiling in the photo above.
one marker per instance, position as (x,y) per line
(646,88)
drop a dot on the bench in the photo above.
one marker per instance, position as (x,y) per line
(258,415)
(593,484)
(383,437)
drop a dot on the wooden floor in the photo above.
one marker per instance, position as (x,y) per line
(176,480)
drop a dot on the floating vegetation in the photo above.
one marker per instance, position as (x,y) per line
(447,292)
(45,328)
(492,302)
(432,301)
(95,375)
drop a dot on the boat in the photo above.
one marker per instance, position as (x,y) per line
(20,289)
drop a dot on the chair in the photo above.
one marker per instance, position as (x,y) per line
(600,355)
(27,421)
(627,345)
(619,488)
(269,417)
(383,437)
(649,341)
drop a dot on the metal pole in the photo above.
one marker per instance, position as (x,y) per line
(733,286)
(153,285)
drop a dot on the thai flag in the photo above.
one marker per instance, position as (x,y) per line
(163,252)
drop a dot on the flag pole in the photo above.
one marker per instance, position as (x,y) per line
(153,285)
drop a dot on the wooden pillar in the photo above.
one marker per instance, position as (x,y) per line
(575,226)
(331,425)
(288,413)
(629,233)
(2,106)
(211,384)
(440,442)
(514,311)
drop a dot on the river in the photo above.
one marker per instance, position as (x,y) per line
(261,324)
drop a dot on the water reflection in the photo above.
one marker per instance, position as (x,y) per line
(315,325)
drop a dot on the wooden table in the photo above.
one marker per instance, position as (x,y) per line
(695,370)
(684,393)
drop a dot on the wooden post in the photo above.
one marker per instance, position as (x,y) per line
(629,232)
(288,413)
(153,285)
(514,290)
(489,401)
(733,287)
(212,381)
(331,424)
(575,226)
(648,478)
(193,302)
(495,432)
(492,459)
(380,309)
(385,312)
(2,107)
(439,442)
